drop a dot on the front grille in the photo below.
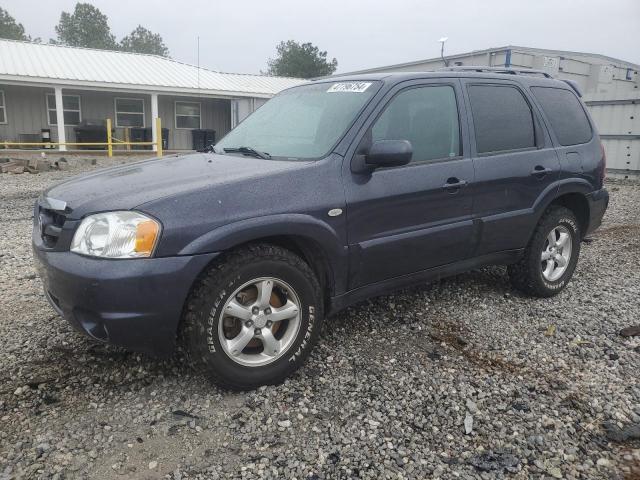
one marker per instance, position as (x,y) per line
(50,224)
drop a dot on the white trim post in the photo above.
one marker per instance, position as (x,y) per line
(62,137)
(234,113)
(154,123)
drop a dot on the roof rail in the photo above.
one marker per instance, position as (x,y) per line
(506,70)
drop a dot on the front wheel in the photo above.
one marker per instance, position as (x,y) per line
(551,256)
(253,318)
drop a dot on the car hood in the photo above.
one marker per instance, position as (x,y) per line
(129,186)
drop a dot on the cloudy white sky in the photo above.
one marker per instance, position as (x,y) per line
(240,35)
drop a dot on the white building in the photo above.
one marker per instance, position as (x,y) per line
(611,89)
(46,86)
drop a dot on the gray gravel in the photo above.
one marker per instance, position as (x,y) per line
(464,378)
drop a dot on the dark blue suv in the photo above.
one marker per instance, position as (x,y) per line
(332,192)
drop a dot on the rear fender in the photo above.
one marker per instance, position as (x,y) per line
(555,191)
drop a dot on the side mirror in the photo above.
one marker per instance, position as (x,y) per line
(389,153)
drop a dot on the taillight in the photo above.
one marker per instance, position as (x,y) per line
(603,165)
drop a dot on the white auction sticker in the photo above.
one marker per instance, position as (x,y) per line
(349,87)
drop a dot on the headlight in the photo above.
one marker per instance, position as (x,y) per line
(116,235)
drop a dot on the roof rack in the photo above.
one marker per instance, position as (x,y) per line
(507,70)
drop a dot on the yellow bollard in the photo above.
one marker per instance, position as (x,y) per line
(159,136)
(109,144)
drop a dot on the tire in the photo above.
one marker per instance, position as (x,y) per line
(545,269)
(212,339)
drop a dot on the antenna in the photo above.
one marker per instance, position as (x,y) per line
(198,54)
(442,41)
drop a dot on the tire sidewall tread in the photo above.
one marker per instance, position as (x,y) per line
(526,275)
(200,329)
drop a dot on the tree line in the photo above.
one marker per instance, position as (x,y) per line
(88,27)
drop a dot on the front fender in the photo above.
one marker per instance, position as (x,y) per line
(300,226)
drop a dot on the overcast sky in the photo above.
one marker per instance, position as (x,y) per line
(240,35)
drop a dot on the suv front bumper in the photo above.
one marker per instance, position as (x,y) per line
(135,304)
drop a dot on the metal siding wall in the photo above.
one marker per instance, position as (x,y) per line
(260,101)
(623,157)
(26,111)
(218,114)
(523,60)
(617,119)
(623,121)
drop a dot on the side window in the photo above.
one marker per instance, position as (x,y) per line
(129,112)
(502,118)
(427,117)
(71,111)
(564,111)
(188,115)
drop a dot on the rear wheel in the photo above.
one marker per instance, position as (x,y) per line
(253,318)
(551,256)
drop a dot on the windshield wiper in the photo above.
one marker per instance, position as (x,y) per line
(248,151)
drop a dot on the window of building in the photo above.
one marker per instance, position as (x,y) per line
(70,108)
(129,112)
(502,118)
(425,116)
(188,115)
(565,112)
(3,108)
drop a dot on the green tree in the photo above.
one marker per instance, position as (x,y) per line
(300,60)
(85,27)
(9,28)
(142,40)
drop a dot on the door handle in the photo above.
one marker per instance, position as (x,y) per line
(453,184)
(540,171)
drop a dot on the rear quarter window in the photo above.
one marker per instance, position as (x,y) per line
(502,119)
(565,113)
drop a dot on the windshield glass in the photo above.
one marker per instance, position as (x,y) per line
(303,122)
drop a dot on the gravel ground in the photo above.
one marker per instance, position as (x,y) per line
(464,378)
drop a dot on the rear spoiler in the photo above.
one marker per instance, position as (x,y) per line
(574,85)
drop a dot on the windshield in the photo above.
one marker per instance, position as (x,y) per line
(300,123)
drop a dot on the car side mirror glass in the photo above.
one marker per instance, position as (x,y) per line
(389,153)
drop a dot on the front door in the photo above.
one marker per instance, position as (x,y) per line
(514,160)
(406,219)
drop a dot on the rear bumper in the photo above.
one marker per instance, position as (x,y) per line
(598,203)
(135,304)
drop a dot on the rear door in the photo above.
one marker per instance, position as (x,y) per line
(514,160)
(406,219)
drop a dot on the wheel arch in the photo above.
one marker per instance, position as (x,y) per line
(579,205)
(316,242)
(571,194)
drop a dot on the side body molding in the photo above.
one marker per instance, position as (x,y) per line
(302,227)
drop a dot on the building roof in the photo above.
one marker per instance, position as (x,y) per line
(39,63)
(564,53)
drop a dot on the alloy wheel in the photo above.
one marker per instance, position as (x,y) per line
(556,253)
(259,322)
